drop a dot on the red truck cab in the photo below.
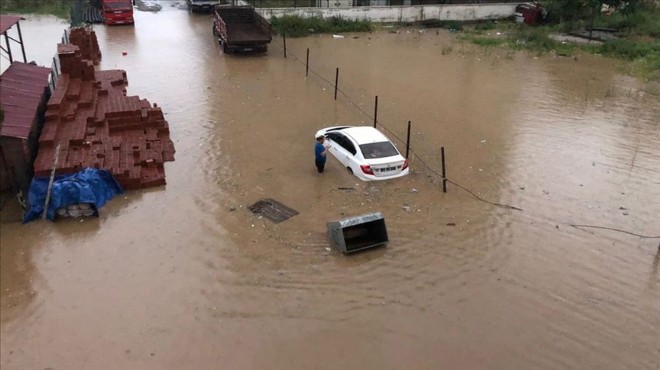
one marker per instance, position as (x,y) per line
(118,12)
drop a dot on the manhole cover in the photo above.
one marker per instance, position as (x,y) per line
(273,210)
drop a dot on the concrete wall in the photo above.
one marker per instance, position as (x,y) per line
(472,12)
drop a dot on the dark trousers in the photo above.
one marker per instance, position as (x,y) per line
(320,165)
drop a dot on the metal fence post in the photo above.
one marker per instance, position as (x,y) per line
(20,37)
(408,140)
(336,82)
(444,173)
(376,111)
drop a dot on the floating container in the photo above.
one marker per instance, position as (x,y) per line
(358,233)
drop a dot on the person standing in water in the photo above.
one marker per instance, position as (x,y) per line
(320,152)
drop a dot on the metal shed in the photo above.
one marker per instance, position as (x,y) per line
(6,23)
(23,96)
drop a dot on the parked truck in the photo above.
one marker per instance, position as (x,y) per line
(117,12)
(241,28)
(202,6)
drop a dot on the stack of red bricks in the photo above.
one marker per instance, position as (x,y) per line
(85,39)
(96,125)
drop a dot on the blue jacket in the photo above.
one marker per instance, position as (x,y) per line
(318,149)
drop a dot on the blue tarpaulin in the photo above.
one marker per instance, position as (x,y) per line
(90,185)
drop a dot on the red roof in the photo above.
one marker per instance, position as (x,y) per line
(8,21)
(22,87)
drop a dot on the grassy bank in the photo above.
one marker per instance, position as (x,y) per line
(638,43)
(53,7)
(641,53)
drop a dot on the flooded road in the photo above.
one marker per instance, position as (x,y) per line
(185,277)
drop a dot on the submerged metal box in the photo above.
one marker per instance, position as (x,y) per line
(358,233)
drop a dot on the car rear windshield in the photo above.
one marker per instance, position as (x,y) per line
(382,149)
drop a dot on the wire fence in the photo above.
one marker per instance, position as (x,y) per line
(418,158)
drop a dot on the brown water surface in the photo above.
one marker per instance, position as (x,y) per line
(185,277)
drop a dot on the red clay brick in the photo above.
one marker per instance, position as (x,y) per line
(96,125)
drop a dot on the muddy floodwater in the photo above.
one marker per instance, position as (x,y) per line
(185,277)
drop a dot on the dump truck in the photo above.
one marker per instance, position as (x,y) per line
(241,29)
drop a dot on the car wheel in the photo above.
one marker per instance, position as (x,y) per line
(350,170)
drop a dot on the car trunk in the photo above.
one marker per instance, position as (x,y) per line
(388,166)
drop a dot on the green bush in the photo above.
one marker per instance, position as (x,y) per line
(487,41)
(295,26)
(436,23)
(533,38)
(635,24)
(58,8)
(485,26)
(631,50)
(432,23)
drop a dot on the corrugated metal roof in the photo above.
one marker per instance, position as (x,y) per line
(8,21)
(21,89)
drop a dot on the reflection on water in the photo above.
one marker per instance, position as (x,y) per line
(185,277)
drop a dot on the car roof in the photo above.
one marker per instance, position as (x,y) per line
(365,134)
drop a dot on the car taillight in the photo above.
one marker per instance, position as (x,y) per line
(366,169)
(405,165)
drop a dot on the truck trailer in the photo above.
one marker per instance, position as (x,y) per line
(241,29)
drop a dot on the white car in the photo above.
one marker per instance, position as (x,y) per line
(365,152)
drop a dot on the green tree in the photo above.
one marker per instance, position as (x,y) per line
(571,11)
